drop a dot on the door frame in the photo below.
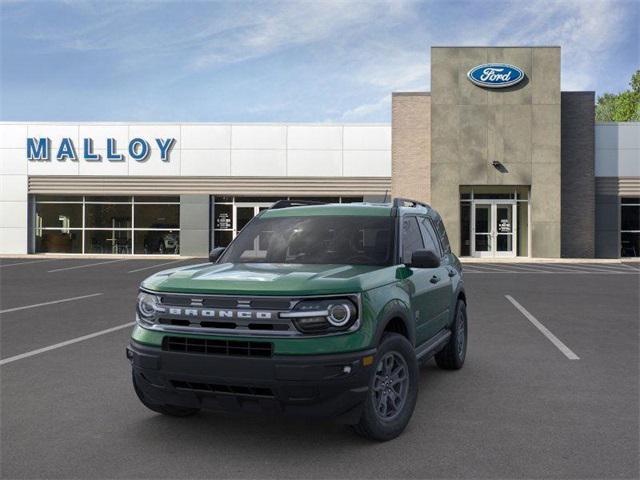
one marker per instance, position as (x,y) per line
(256,209)
(493,204)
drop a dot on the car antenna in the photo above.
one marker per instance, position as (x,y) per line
(386,192)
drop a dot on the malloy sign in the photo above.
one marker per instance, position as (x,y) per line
(40,149)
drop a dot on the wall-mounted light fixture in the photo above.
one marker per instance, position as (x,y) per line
(499,166)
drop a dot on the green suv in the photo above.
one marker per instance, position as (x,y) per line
(313,309)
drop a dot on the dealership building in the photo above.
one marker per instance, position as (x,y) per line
(516,167)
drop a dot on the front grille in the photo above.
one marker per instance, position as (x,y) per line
(210,302)
(207,346)
(269,303)
(223,389)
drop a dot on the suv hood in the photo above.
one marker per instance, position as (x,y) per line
(270,279)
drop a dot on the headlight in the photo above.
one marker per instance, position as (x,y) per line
(147,306)
(323,315)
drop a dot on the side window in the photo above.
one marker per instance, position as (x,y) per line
(442,233)
(430,238)
(411,238)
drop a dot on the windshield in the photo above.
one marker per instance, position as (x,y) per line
(348,240)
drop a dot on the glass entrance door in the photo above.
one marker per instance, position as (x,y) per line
(493,228)
(483,245)
(243,212)
(503,228)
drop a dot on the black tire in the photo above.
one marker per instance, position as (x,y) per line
(452,356)
(170,410)
(372,424)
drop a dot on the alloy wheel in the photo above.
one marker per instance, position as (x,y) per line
(390,386)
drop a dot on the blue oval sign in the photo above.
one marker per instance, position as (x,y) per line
(495,75)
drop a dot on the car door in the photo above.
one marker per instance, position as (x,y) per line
(442,286)
(418,282)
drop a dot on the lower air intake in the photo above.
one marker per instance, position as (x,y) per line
(206,346)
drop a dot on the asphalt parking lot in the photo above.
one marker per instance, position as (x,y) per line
(522,407)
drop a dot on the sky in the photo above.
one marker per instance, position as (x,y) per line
(267,61)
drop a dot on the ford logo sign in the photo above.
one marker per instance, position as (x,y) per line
(495,75)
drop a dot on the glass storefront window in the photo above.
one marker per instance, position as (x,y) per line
(108,198)
(63,215)
(109,226)
(107,241)
(630,244)
(630,227)
(155,199)
(222,238)
(157,216)
(630,217)
(465,229)
(59,198)
(105,215)
(223,217)
(58,241)
(157,242)
(523,225)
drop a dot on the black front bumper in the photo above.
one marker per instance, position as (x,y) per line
(319,385)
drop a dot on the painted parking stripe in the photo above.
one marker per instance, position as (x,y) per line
(27,263)
(15,358)
(485,268)
(526,268)
(155,266)
(582,268)
(617,267)
(44,304)
(86,265)
(544,330)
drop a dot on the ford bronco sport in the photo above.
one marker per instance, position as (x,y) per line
(323,310)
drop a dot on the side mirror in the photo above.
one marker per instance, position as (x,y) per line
(215,254)
(424,259)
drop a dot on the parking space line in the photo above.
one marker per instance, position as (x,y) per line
(53,302)
(485,268)
(615,268)
(544,330)
(86,265)
(154,266)
(580,268)
(27,263)
(527,268)
(4,361)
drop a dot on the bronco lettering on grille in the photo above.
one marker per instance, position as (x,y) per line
(214,313)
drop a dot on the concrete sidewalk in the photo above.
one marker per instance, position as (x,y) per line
(549,260)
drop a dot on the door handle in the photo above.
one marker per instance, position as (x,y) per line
(435,279)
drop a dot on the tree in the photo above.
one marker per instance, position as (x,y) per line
(621,107)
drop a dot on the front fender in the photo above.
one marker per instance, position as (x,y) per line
(385,304)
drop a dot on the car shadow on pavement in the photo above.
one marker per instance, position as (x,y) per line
(225,430)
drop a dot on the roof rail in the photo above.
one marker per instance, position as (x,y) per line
(401,202)
(295,203)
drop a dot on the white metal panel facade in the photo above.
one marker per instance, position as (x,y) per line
(268,151)
(618,149)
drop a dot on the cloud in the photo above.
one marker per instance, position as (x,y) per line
(291,59)
(367,110)
(586,30)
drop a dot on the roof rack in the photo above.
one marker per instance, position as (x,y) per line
(295,203)
(401,202)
